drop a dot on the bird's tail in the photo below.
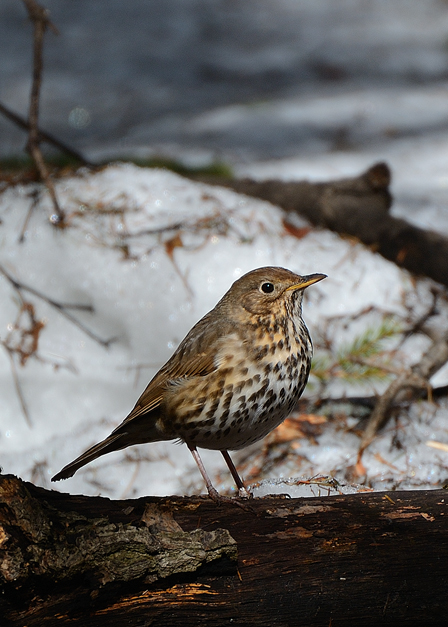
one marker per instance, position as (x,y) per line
(112,443)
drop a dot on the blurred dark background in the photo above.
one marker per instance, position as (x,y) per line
(126,78)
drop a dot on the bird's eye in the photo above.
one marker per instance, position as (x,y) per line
(267,288)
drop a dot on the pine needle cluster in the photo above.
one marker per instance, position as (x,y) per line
(366,359)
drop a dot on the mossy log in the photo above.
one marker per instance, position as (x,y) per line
(364,559)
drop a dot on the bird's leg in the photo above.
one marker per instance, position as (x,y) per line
(212,492)
(239,484)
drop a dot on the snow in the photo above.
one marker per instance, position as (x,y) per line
(116,256)
(152,252)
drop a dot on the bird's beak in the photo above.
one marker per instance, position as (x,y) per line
(307,280)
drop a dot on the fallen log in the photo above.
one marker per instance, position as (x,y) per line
(359,207)
(368,558)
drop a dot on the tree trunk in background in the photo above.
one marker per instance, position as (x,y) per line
(358,207)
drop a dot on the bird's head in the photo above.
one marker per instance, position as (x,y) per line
(267,290)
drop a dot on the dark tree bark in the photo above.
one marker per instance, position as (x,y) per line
(365,559)
(358,207)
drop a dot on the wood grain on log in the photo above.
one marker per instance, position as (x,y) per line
(369,558)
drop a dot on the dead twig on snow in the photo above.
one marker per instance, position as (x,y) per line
(35,196)
(61,307)
(17,386)
(416,377)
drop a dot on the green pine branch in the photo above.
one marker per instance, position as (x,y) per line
(364,360)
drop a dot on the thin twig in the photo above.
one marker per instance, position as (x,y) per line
(46,137)
(35,195)
(416,377)
(372,363)
(159,230)
(61,307)
(418,325)
(39,16)
(17,385)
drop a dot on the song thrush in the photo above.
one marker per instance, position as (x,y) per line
(236,376)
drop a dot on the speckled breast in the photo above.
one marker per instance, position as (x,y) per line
(254,388)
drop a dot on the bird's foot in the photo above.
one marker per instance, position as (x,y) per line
(245,494)
(219,499)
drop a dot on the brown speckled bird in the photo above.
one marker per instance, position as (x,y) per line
(235,377)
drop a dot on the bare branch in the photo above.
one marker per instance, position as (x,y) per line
(416,378)
(61,307)
(17,385)
(43,136)
(35,195)
(359,207)
(419,325)
(39,16)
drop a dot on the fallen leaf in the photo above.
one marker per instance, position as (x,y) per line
(296,231)
(314,419)
(173,243)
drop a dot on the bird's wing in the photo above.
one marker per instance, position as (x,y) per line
(195,356)
(200,365)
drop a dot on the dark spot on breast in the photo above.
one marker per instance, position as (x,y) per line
(224,417)
(211,412)
(270,400)
(227,400)
(260,352)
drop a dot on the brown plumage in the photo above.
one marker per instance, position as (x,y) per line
(236,376)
